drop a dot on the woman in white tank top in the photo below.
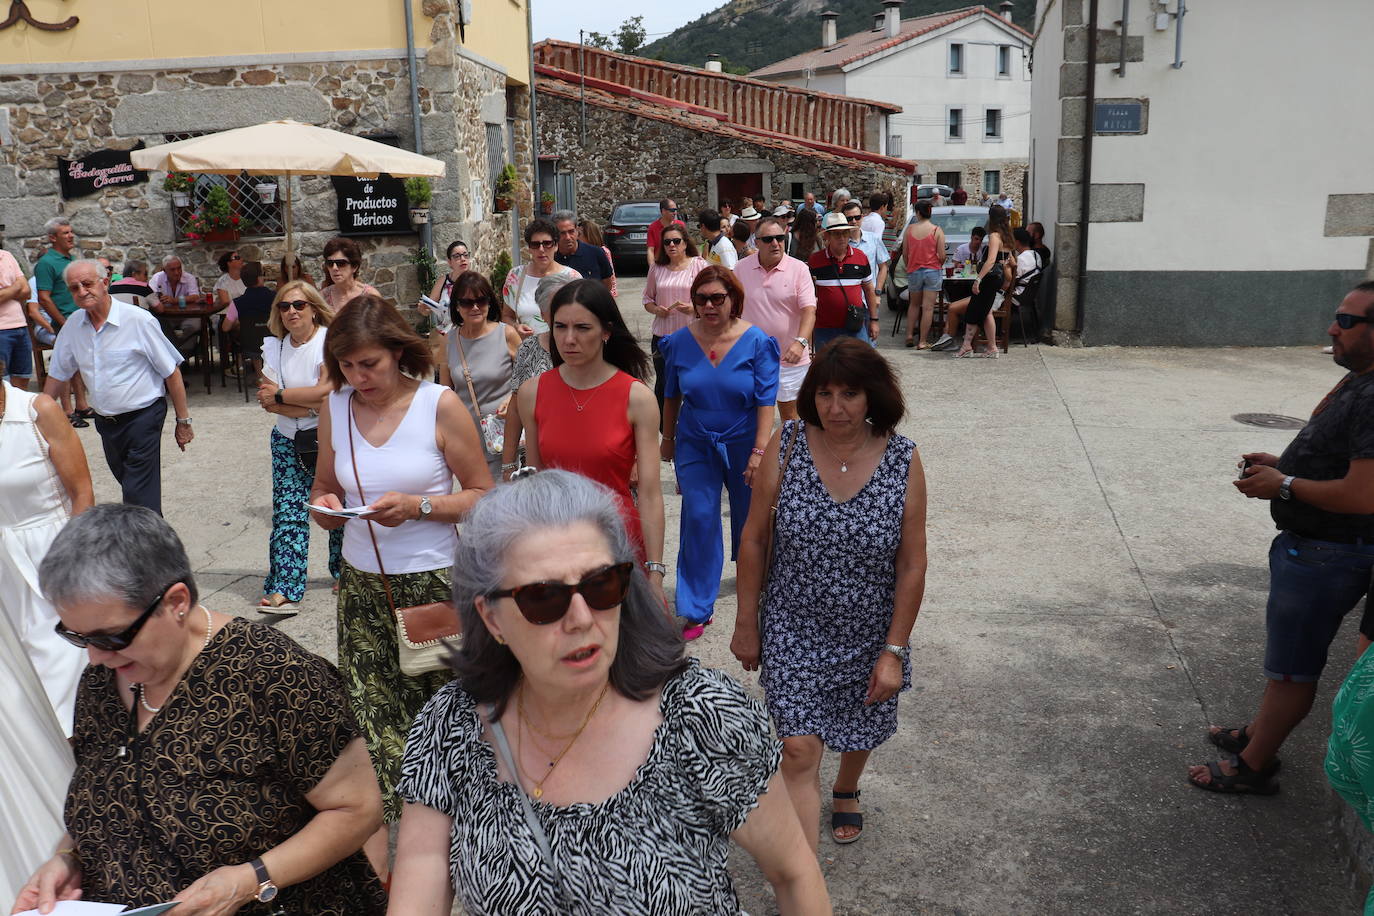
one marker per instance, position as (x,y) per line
(391,440)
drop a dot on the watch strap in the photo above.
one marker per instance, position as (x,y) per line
(260,870)
(902,652)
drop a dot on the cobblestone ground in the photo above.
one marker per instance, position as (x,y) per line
(1095,599)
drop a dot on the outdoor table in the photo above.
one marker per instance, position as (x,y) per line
(203,311)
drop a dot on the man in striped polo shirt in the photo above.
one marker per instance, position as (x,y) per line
(843,278)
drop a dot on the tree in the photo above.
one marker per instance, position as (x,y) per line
(627,39)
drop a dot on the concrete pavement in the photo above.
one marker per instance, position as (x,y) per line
(1095,599)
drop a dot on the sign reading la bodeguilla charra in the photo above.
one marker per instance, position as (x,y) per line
(372,206)
(106,168)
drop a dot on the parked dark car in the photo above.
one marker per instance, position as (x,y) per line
(927,191)
(958,223)
(627,230)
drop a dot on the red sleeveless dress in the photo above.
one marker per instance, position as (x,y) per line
(588,432)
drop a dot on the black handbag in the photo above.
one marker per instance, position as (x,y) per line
(307,443)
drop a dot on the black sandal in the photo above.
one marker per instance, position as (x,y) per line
(1235,740)
(1244,781)
(840,819)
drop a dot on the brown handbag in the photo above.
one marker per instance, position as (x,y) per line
(421,630)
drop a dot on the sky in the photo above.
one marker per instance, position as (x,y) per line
(562,18)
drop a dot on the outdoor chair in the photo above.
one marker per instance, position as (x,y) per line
(251,332)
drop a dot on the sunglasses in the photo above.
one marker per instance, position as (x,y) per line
(112,642)
(299,305)
(1348,321)
(546,602)
(472,303)
(772,238)
(669,209)
(667,242)
(716,299)
(234,257)
(544,243)
(337,262)
(853,219)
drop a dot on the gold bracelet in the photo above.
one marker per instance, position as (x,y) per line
(66,852)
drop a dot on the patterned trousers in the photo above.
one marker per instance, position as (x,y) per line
(288,548)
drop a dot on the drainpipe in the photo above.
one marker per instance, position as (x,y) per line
(426,229)
(1178,34)
(534,110)
(1088,104)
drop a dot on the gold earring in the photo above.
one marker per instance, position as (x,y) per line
(499,640)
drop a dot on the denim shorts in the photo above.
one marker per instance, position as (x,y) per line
(16,352)
(1312,586)
(924,278)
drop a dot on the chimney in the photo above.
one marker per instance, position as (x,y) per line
(828,36)
(892,17)
(1005,8)
(713,63)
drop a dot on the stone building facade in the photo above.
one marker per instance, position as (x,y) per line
(466,103)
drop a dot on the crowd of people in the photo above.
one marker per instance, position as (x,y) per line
(568,755)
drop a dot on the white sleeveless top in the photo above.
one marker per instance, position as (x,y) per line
(291,366)
(409,462)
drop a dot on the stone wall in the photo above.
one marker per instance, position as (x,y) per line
(1013,174)
(628,157)
(71,114)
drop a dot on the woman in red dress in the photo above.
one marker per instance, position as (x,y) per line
(592,414)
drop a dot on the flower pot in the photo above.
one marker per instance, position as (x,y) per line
(546,206)
(220,235)
(419,215)
(267,191)
(181,198)
(502,204)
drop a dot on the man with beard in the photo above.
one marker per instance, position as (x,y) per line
(1321,493)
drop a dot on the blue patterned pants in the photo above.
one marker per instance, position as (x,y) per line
(288,549)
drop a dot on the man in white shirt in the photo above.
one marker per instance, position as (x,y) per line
(876,220)
(969,250)
(1006,202)
(1028,263)
(130,369)
(719,249)
(171,285)
(870,243)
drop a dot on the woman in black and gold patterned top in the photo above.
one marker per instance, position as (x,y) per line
(217,762)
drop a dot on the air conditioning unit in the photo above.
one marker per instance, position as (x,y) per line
(894,145)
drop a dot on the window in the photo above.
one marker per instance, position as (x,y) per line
(992,124)
(956,124)
(1004,61)
(949,179)
(496,153)
(992,182)
(255,217)
(798,190)
(956,59)
(894,145)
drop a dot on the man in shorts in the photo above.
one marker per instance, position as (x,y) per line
(780,298)
(1321,497)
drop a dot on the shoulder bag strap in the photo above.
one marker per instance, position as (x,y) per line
(777,498)
(540,837)
(353,456)
(467,373)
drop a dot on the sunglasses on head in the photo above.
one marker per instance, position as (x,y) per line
(112,642)
(716,299)
(772,238)
(546,602)
(1348,321)
(543,243)
(299,305)
(337,262)
(472,303)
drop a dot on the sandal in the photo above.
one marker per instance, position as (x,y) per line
(910,342)
(963,354)
(279,604)
(1244,781)
(1230,740)
(85,413)
(840,819)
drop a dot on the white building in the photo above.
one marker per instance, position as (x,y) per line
(1231,194)
(961,78)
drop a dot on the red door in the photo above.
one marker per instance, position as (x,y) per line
(734,187)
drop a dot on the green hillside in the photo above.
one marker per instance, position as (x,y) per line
(749,34)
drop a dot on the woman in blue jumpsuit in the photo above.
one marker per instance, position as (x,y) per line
(720,387)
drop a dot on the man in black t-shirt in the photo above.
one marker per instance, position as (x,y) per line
(1321,493)
(588,260)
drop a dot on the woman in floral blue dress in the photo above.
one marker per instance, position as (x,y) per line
(829,620)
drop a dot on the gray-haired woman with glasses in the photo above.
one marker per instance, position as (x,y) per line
(217,763)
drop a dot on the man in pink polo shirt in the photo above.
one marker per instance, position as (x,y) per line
(16,352)
(780,298)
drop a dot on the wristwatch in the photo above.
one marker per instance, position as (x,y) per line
(276,396)
(183,421)
(426,507)
(902,652)
(1286,488)
(655,566)
(803,341)
(267,891)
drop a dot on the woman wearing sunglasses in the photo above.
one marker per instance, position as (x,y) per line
(293,385)
(479,358)
(721,385)
(530,360)
(217,763)
(459,261)
(581,764)
(343,261)
(667,292)
(230,285)
(518,308)
(392,441)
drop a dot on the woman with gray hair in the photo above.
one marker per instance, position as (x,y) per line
(533,358)
(574,691)
(217,763)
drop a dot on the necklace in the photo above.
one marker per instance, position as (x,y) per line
(138,688)
(581,406)
(520,705)
(844,462)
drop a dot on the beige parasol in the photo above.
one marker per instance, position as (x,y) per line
(286,148)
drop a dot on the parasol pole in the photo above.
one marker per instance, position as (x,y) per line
(290,258)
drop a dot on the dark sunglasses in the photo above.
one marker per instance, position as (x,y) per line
(545,243)
(1348,321)
(234,257)
(854,219)
(112,642)
(667,242)
(546,602)
(337,262)
(716,299)
(472,303)
(772,238)
(299,305)
(668,209)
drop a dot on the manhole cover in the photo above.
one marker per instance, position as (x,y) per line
(1269,420)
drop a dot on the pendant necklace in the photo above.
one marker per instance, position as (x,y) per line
(520,705)
(844,462)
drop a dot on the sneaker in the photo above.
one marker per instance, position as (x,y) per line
(944,343)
